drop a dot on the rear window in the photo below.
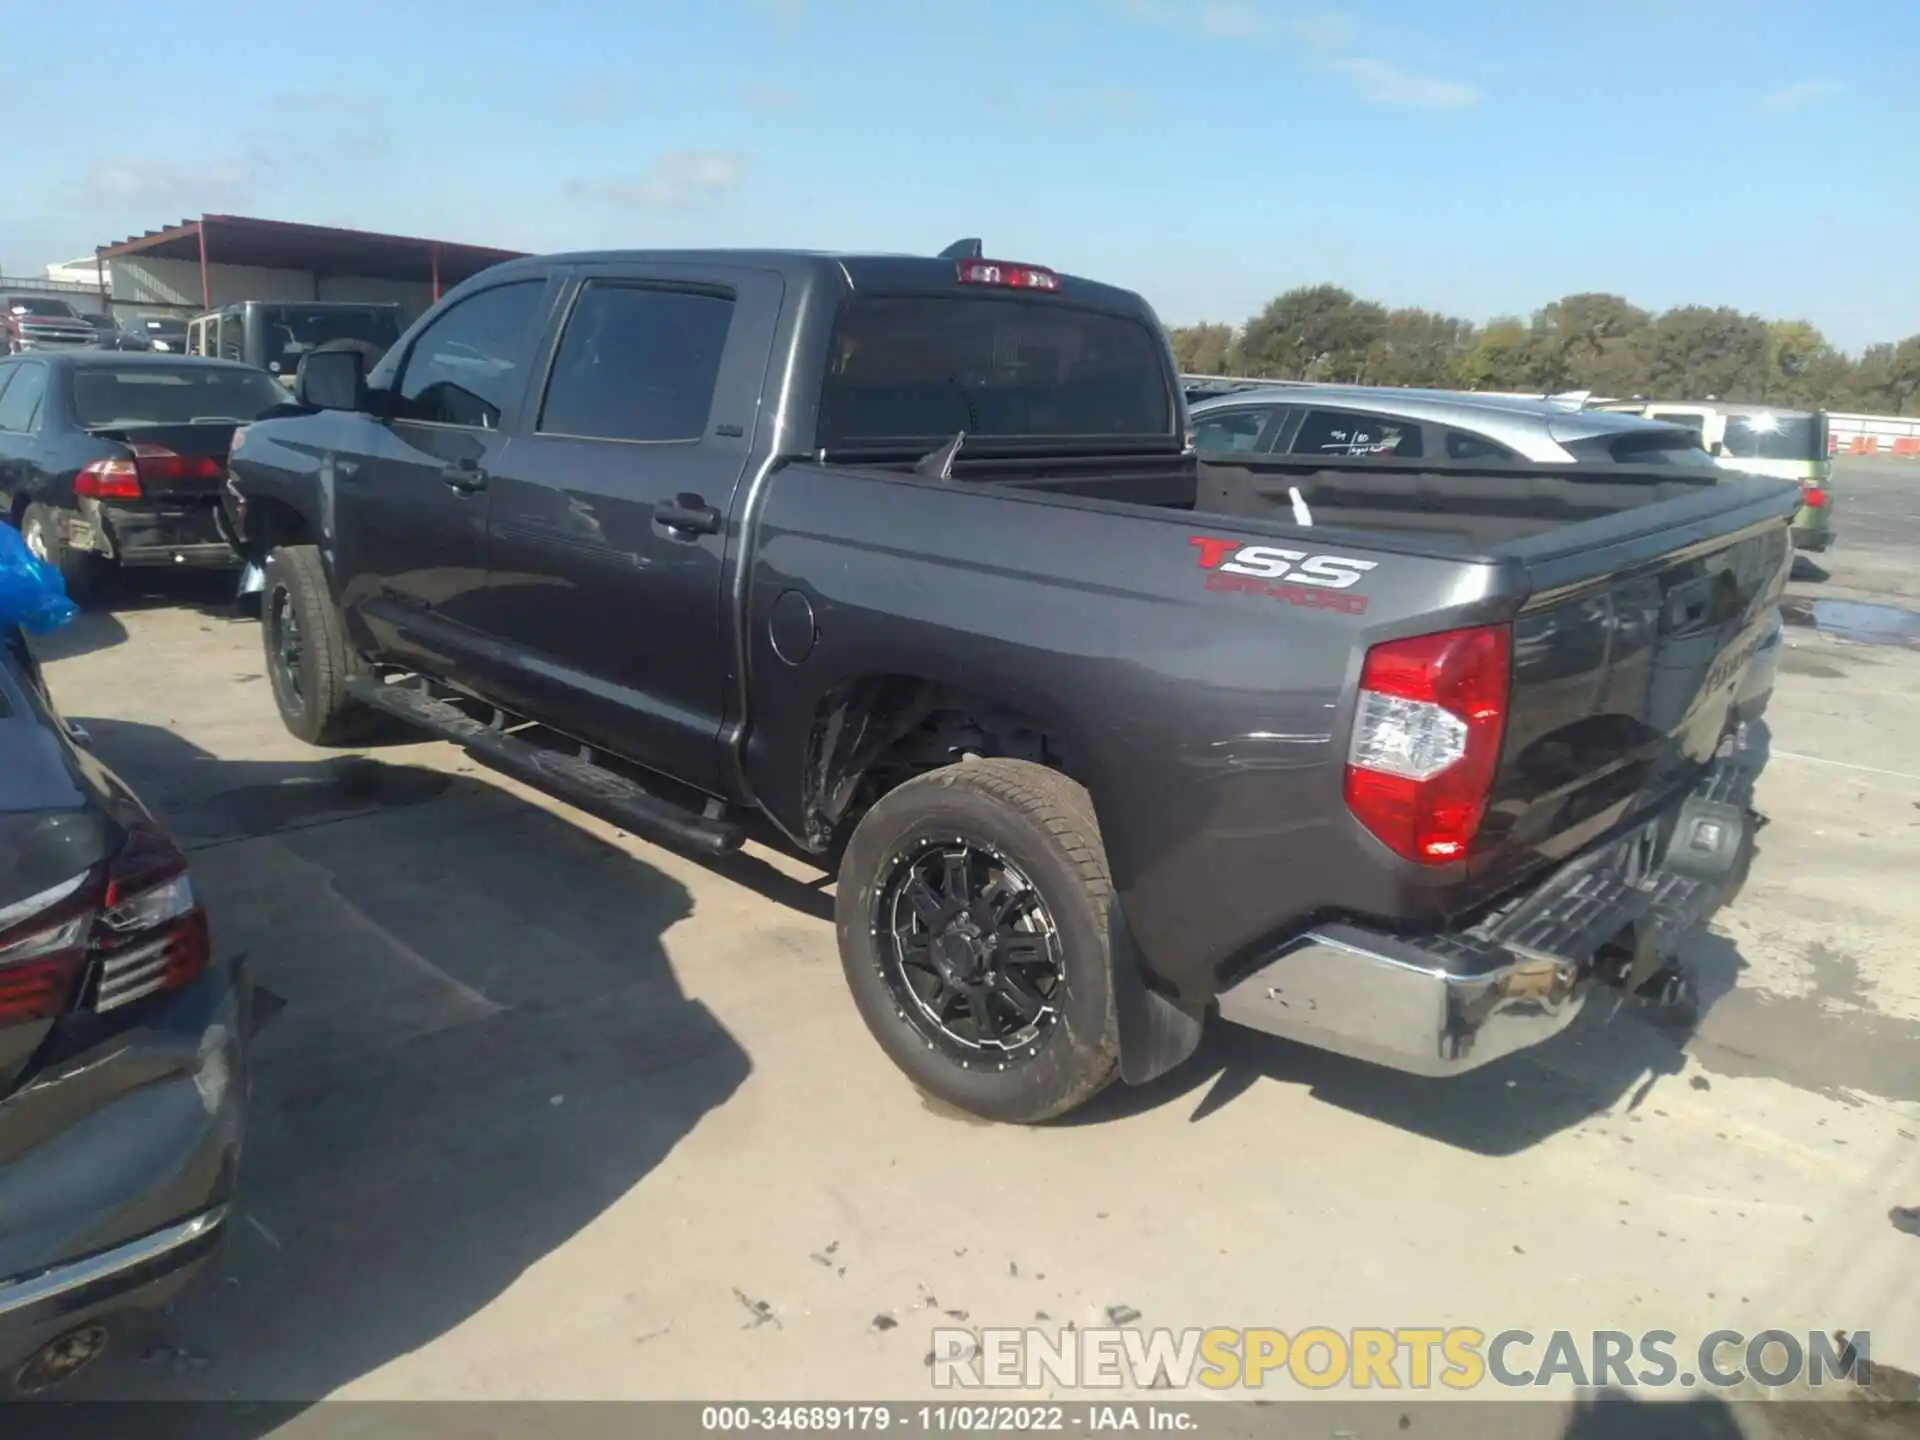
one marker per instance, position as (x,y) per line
(291,331)
(107,397)
(910,367)
(1655,447)
(1775,437)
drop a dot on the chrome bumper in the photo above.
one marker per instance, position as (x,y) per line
(1445,1003)
(29,1292)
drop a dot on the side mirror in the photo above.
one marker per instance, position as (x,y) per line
(332,380)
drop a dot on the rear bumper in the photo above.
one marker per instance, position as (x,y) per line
(119,1166)
(188,536)
(1442,1004)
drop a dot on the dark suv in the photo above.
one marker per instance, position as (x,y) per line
(272,335)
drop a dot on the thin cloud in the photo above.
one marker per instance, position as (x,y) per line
(1384,84)
(189,188)
(1801,92)
(1230,20)
(674,181)
(786,12)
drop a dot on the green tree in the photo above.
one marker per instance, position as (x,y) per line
(1205,349)
(1799,364)
(1587,341)
(1318,332)
(1500,357)
(1696,352)
(1420,347)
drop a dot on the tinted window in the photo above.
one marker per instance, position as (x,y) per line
(20,404)
(1661,447)
(1235,432)
(233,336)
(290,331)
(1776,437)
(112,397)
(1346,432)
(637,364)
(1695,423)
(927,367)
(470,363)
(1462,446)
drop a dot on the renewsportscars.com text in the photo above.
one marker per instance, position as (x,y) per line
(1403,1358)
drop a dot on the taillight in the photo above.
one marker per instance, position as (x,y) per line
(128,479)
(1008,275)
(109,480)
(43,950)
(152,934)
(1814,496)
(133,925)
(1426,740)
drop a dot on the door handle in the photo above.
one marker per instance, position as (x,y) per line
(687,515)
(464,476)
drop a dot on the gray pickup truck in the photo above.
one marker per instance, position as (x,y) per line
(908,564)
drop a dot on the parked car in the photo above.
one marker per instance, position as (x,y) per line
(909,560)
(107,333)
(111,461)
(159,332)
(1450,426)
(1761,440)
(123,1073)
(41,322)
(274,336)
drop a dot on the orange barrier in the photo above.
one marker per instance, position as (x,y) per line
(1907,445)
(1864,445)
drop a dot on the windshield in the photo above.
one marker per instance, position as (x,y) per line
(42,309)
(111,397)
(291,331)
(1776,437)
(926,367)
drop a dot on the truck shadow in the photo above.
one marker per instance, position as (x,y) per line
(476,1046)
(87,632)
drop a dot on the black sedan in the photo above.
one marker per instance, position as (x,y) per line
(122,1048)
(112,460)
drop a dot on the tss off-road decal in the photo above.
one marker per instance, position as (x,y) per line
(1310,580)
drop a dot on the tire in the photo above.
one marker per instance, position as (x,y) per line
(1026,824)
(85,574)
(309,679)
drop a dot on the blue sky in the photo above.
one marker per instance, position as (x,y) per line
(1480,156)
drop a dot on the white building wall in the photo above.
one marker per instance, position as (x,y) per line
(145,280)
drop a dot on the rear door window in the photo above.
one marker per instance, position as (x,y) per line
(1775,437)
(926,367)
(637,364)
(1349,432)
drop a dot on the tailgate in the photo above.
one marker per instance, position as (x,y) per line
(1626,663)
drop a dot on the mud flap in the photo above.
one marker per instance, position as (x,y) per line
(1156,1033)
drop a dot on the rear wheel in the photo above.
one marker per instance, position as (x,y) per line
(84,574)
(308,662)
(972,915)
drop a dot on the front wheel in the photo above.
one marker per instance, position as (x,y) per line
(309,664)
(972,913)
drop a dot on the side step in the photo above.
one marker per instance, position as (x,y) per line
(581,783)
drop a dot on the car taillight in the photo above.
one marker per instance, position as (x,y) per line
(1426,740)
(1008,274)
(1814,496)
(152,933)
(134,925)
(128,479)
(43,950)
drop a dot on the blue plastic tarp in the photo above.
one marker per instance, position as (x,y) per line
(32,595)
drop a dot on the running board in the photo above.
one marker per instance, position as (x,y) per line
(579,782)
